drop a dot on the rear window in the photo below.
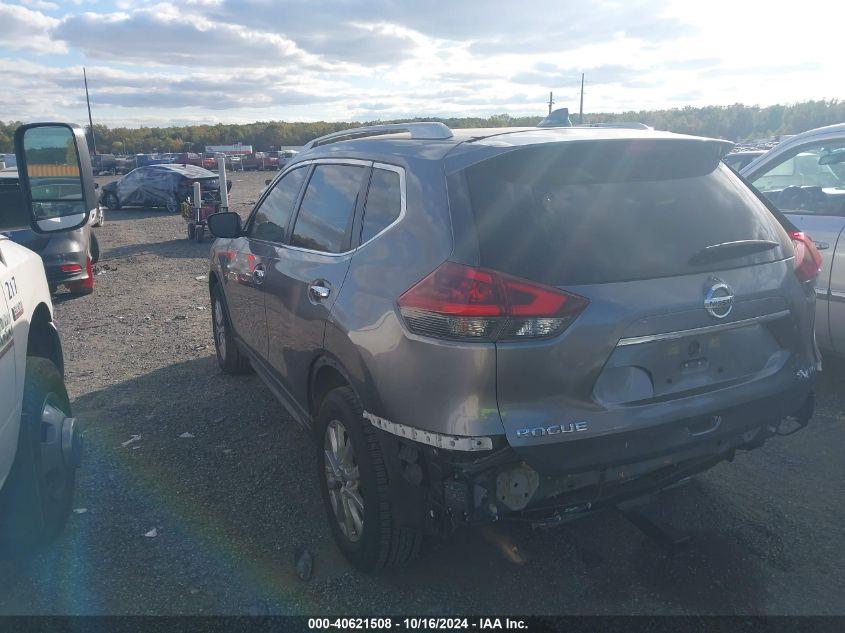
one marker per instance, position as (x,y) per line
(610,211)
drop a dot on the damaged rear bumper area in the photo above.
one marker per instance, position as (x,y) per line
(440,490)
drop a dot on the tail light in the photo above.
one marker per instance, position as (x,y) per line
(70,268)
(808,260)
(462,302)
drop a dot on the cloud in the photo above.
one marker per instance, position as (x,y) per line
(41,5)
(545,74)
(24,29)
(165,35)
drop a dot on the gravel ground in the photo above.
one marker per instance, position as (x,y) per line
(227,485)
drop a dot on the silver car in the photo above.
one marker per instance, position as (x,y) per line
(804,177)
(513,324)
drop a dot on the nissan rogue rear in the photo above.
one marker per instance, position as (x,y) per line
(527,324)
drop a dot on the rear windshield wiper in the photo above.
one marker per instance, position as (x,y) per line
(731,250)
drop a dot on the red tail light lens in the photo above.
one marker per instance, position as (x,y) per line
(70,268)
(808,260)
(462,302)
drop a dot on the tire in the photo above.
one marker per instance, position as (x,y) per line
(39,491)
(111,201)
(94,248)
(373,540)
(230,358)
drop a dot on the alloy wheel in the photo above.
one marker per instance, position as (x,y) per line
(344,481)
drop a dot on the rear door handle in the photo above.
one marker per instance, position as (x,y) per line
(318,291)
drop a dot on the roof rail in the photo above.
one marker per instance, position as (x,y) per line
(431,131)
(627,125)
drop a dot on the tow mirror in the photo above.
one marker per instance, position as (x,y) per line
(55,176)
(225,224)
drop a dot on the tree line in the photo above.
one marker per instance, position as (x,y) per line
(733,122)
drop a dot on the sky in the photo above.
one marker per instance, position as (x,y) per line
(238,61)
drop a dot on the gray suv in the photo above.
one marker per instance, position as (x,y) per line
(524,324)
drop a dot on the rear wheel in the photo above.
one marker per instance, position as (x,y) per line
(356,488)
(230,358)
(39,493)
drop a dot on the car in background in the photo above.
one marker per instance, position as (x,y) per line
(187,158)
(283,156)
(165,185)
(124,164)
(103,164)
(68,257)
(142,160)
(738,160)
(259,161)
(804,177)
(7,161)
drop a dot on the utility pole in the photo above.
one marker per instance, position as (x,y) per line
(90,120)
(551,102)
(581,109)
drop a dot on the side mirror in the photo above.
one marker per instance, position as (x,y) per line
(224,224)
(55,176)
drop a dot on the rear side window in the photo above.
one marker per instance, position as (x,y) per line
(384,203)
(328,207)
(607,211)
(271,218)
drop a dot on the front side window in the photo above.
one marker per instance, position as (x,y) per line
(809,180)
(384,203)
(328,207)
(271,218)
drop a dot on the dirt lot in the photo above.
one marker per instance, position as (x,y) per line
(232,501)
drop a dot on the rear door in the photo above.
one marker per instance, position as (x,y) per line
(253,256)
(627,225)
(309,270)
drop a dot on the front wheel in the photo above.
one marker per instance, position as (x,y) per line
(94,248)
(355,486)
(111,201)
(230,358)
(39,493)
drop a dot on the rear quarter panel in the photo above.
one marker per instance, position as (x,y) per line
(433,385)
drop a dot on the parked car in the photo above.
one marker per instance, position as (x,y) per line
(124,164)
(738,160)
(513,324)
(40,440)
(7,161)
(283,156)
(804,177)
(259,161)
(68,256)
(158,186)
(188,158)
(103,164)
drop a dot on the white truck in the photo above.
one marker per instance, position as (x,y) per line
(40,441)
